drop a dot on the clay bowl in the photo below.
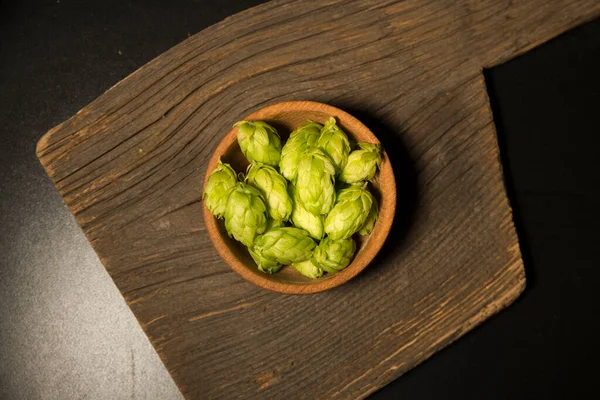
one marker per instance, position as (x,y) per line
(285,117)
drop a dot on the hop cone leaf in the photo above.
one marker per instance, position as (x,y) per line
(286,245)
(334,255)
(369,224)
(302,139)
(302,218)
(264,265)
(315,182)
(245,213)
(362,163)
(349,213)
(274,188)
(259,142)
(274,223)
(217,188)
(308,269)
(334,142)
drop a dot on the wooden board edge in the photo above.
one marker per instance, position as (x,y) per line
(510,294)
(222,24)
(533,44)
(488,311)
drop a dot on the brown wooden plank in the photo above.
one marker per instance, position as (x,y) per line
(130,167)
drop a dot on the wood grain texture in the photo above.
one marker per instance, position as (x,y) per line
(130,168)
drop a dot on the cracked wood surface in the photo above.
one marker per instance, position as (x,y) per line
(130,168)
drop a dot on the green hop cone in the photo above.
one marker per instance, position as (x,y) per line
(302,139)
(303,219)
(369,224)
(245,213)
(274,188)
(349,213)
(264,265)
(259,142)
(362,163)
(315,182)
(308,269)
(334,142)
(285,245)
(274,223)
(334,255)
(217,188)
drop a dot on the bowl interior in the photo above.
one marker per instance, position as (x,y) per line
(285,117)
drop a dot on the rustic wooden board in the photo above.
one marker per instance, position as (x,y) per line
(130,168)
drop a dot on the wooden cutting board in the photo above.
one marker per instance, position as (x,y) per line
(130,168)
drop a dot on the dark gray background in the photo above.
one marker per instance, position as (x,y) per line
(65,329)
